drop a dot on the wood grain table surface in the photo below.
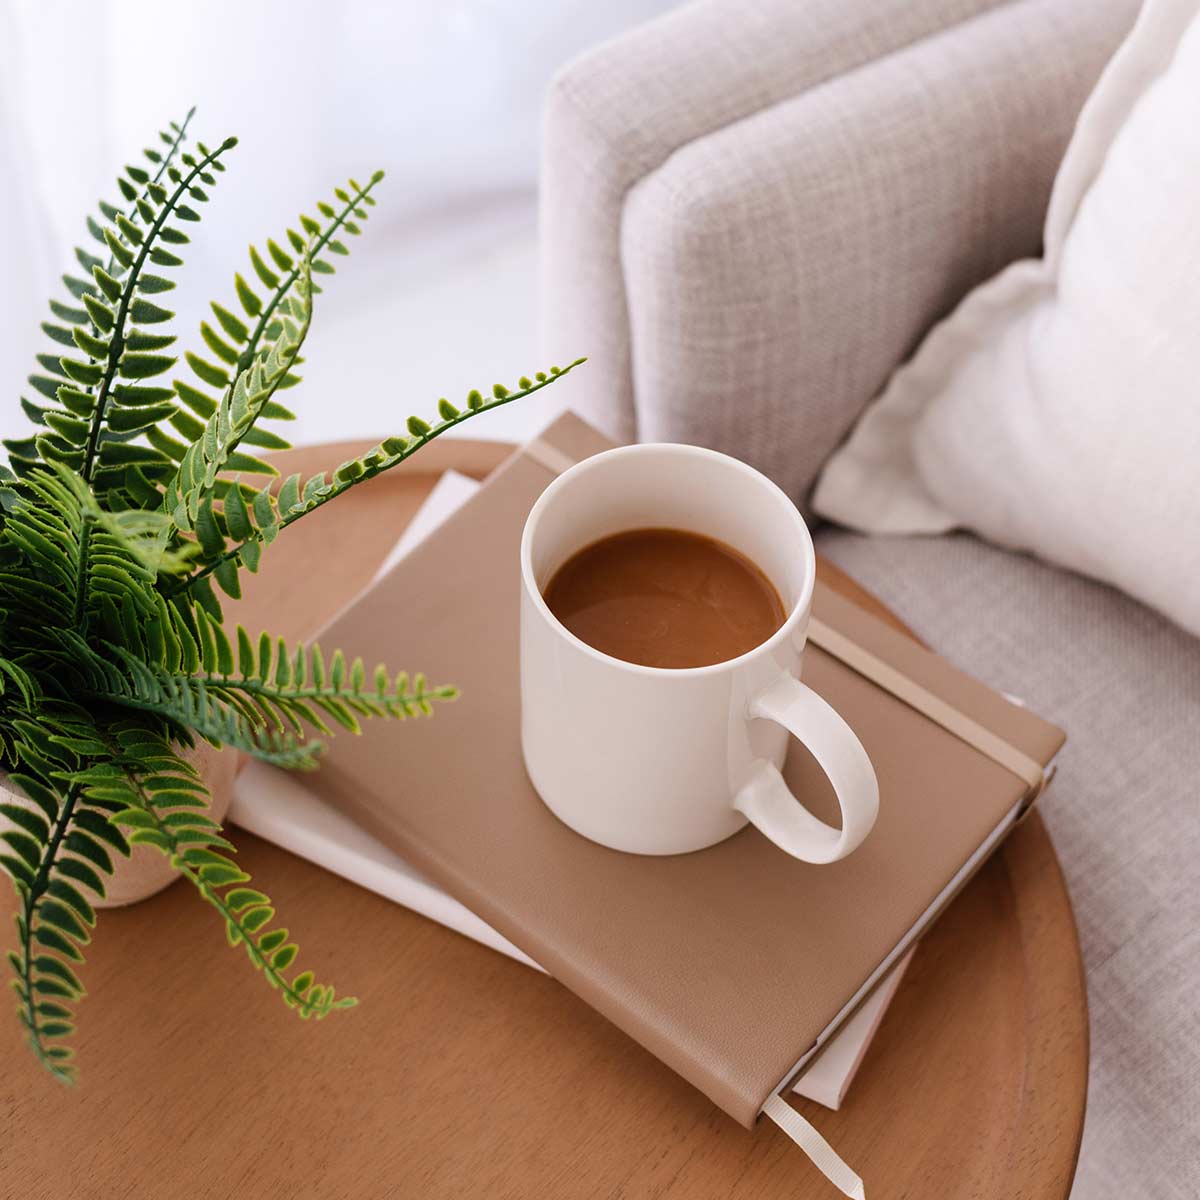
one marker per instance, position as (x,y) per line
(465,1074)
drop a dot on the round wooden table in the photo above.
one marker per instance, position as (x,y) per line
(464,1073)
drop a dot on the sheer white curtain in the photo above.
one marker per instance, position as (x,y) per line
(438,296)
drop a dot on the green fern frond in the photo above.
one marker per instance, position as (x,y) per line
(235,341)
(284,688)
(60,845)
(138,534)
(101,403)
(265,703)
(49,940)
(89,564)
(184,703)
(163,806)
(189,496)
(252,526)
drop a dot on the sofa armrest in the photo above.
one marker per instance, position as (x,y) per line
(752,211)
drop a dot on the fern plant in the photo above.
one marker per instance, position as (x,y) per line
(124,516)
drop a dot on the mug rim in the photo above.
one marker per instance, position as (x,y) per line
(796,613)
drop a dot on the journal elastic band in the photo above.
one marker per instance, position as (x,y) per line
(822,1154)
(925,702)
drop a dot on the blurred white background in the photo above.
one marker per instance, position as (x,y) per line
(439,294)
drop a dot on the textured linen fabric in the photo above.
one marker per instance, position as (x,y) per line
(778,269)
(779,303)
(1056,409)
(618,111)
(1124,813)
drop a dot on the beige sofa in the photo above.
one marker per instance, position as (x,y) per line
(751,212)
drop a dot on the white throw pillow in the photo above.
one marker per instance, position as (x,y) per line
(1058,408)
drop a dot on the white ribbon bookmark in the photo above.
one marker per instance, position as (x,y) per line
(823,1155)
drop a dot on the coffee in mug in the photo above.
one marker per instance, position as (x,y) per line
(665,598)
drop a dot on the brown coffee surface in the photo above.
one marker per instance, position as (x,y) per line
(665,598)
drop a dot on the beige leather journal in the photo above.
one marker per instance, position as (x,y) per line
(733,964)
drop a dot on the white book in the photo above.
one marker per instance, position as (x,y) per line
(279,807)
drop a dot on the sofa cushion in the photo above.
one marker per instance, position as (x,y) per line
(619,111)
(1124,813)
(779,268)
(1055,410)
(751,210)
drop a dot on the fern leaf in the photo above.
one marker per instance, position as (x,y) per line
(147,804)
(270,514)
(288,689)
(259,323)
(81,435)
(189,495)
(51,855)
(184,702)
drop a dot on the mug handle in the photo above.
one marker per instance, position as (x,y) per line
(768,802)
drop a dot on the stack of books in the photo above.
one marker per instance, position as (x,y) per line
(748,972)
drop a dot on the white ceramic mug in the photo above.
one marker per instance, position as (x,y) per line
(662,761)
